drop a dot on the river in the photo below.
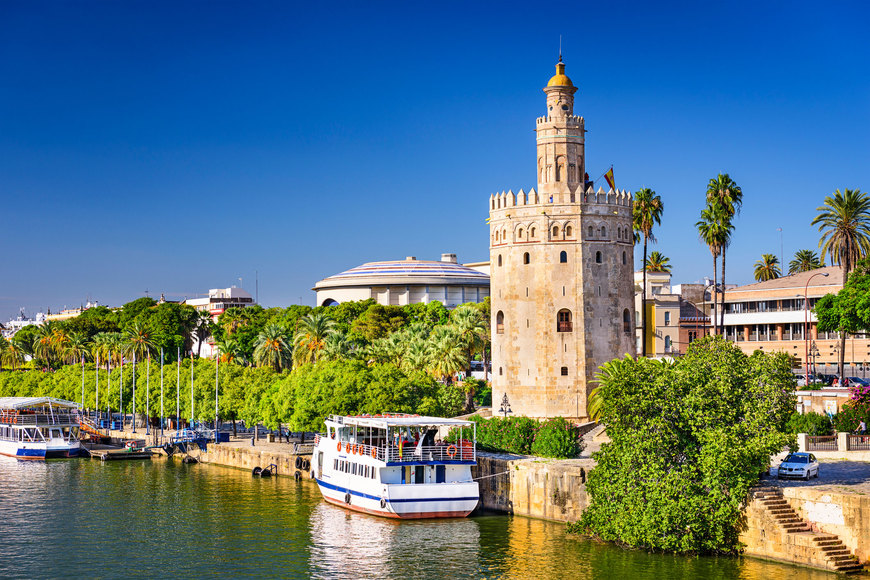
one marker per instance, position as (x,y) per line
(158,519)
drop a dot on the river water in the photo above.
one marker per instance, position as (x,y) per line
(159,519)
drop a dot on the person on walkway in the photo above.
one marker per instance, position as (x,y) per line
(862,428)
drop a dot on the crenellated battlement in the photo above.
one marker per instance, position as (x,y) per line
(507,199)
(570,119)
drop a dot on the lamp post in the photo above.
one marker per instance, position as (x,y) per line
(806,322)
(712,296)
(505,406)
(814,352)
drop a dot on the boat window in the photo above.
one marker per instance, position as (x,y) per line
(335,467)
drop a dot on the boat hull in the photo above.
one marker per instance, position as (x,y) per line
(402,502)
(38,452)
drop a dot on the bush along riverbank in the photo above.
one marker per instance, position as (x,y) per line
(555,437)
(688,440)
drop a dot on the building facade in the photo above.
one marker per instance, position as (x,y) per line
(219,299)
(408,281)
(676,315)
(561,262)
(770,316)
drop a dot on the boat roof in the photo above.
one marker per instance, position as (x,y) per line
(397,420)
(28,402)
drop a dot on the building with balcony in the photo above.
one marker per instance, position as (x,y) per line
(771,316)
(219,299)
(676,315)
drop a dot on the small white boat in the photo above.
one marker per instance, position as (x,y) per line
(396,465)
(39,428)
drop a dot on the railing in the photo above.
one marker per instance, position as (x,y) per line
(859,442)
(41,419)
(822,443)
(407,453)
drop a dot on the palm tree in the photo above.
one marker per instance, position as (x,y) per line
(338,347)
(138,342)
(844,222)
(311,336)
(646,213)
(272,348)
(15,352)
(723,193)
(804,261)
(767,268)
(229,350)
(446,354)
(77,348)
(470,326)
(658,262)
(49,341)
(202,329)
(716,233)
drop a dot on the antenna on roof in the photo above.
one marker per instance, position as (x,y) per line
(560,48)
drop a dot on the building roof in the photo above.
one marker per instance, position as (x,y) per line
(28,402)
(560,79)
(831,283)
(398,420)
(404,272)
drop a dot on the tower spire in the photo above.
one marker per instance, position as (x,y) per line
(560,48)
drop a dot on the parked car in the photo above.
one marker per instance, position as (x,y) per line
(858,381)
(798,465)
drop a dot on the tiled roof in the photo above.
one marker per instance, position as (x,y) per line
(406,272)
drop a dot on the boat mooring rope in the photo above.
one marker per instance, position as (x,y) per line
(491,475)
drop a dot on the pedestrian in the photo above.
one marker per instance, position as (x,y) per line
(862,428)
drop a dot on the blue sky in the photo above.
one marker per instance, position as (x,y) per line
(179,146)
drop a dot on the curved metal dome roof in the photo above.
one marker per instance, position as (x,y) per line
(410,271)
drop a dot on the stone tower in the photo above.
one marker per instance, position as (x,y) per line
(561,273)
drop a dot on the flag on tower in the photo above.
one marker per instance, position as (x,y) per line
(609,177)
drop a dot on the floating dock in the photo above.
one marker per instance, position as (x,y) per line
(118,453)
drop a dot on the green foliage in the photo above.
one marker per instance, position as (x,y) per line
(850,415)
(378,321)
(557,438)
(809,423)
(848,309)
(687,440)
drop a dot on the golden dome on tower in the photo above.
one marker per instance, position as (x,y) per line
(560,79)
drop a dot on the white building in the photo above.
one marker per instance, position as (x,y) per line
(408,281)
(22,320)
(219,299)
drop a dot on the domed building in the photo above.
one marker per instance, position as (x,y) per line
(408,281)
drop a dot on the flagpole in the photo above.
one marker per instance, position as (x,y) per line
(148,396)
(178,390)
(134,391)
(161,392)
(191,390)
(83,383)
(97,388)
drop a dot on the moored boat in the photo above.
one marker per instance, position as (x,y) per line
(38,428)
(397,465)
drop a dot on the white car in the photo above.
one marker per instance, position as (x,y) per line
(799,465)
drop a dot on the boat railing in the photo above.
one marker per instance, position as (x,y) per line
(69,419)
(406,452)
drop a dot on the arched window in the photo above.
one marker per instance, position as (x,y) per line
(591,233)
(504,235)
(667,318)
(555,231)
(526,258)
(563,321)
(626,321)
(496,236)
(563,257)
(532,232)
(623,258)
(520,233)
(667,344)
(499,260)
(568,231)
(500,371)
(499,322)
(598,259)
(603,232)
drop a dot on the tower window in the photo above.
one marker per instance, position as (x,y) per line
(521,233)
(564,371)
(563,321)
(526,258)
(626,321)
(499,260)
(500,373)
(623,258)
(555,231)
(568,231)
(603,232)
(598,258)
(591,234)
(563,257)
(499,322)
(532,233)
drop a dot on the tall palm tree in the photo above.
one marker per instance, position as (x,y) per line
(723,193)
(646,213)
(49,341)
(4,344)
(229,350)
(15,352)
(844,222)
(78,347)
(470,326)
(804,261)
(202,329)
(446,354)
(716,233)
(338,347)
(272,348)
(658,262)
(767,268)
(311,336)
(138,341)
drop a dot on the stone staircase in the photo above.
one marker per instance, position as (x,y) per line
(826,550)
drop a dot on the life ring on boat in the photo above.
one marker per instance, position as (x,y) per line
(375,452)
(339,445)
(347,498)
(383,503)
(451,451)
(347,447)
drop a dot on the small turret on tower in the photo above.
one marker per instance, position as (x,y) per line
(560,93)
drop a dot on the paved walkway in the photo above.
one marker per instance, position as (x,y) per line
(834,475)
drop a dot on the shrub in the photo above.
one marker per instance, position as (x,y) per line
(850,415)
(557,438)
(809,423)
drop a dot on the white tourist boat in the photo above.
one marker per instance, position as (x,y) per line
(38,428)
(396,465)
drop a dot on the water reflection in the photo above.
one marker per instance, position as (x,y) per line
(86,519)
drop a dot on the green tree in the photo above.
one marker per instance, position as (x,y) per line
(646,214)
(273,348)
(687,439)
(658,262)
(311,337)
(715,231)
(804,261)
(726,197)
(138,341)
(378,321)
(767,268)
(847,311)
(77,348)
(471,329)
(844,222)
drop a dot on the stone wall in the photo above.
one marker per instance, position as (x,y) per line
(845,514)
(538,488)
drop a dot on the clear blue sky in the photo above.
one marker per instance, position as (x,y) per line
(179,146)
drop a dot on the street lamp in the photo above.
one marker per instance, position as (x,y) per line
(806,322)
(505,406)
(712,297)
(814,352)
